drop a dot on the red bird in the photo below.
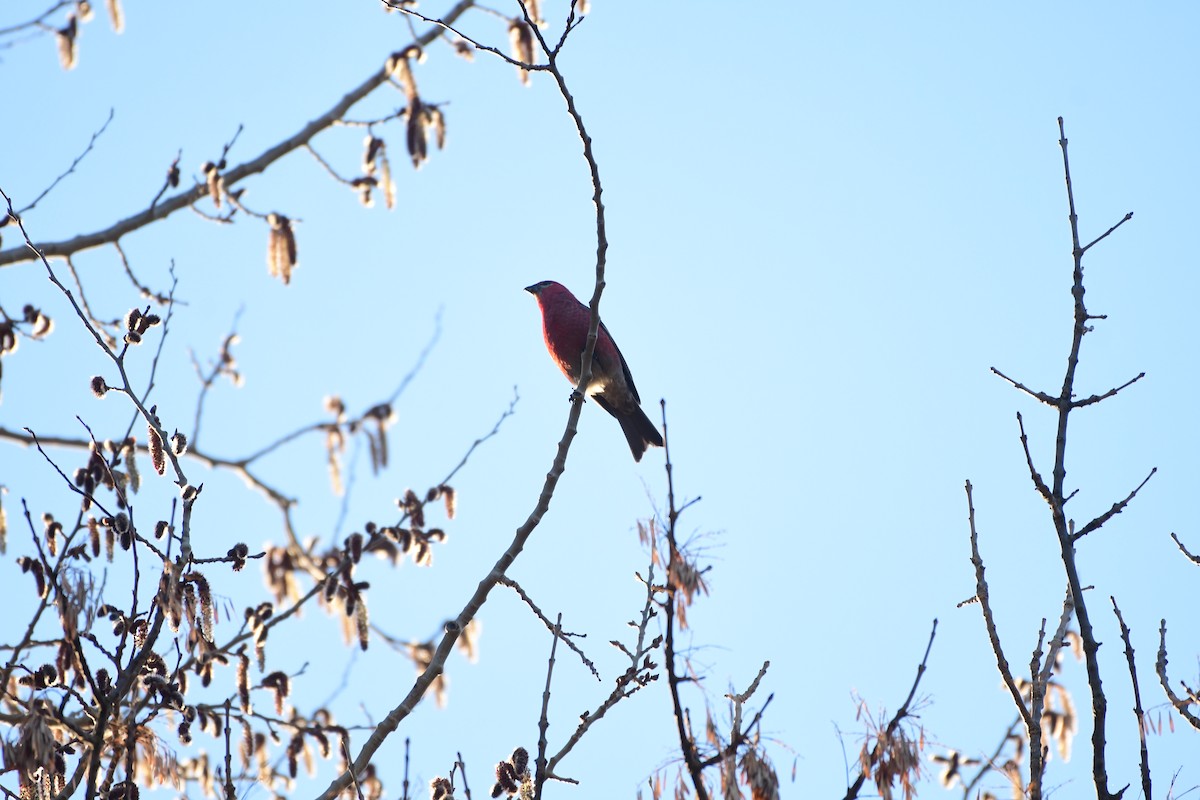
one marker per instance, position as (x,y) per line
(565,323)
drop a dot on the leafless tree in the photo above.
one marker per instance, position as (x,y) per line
(105,698)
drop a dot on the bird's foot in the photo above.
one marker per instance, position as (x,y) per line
(576,397)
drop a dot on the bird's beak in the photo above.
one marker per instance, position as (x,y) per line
(532,289)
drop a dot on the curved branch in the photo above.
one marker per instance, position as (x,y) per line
(455,627)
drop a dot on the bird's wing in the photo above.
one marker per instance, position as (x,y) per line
(624,367)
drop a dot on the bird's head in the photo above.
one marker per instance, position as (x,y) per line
(541,286)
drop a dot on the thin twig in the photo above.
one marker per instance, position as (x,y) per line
(900,715)
(38,21)
(1040,396)
(687,744)
(100,325)
(1193,558)
(144,290)
(989,763)
(1096,398)
(71,169)
(544,717)
(552,627)
(462,770)
(446,23)
(333,173)
(220,366)
(404,790)
(639,675)
(1182,704)
(230,792)
(1117,508)
(1059,639)
(1138,713)
(1038,482)
(981,593)
(1104,235)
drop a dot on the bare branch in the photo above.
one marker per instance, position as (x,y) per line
(157,297)
(36,22)
(1059,639)
(333,173)
(981,594)
(1193,558)
(1056,500)
(1117,508)
(1103,236)
(71,169)
(687,744)
(544,717)
(480,595)
(903,712)
(1038,482)
(447,24)
(555,628)
(1182,705)
(1096,398)
(231,176)
(1138,713)
(1040,396)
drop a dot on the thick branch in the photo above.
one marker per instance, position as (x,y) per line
(455,627)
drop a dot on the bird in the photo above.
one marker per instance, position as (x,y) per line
(565,323)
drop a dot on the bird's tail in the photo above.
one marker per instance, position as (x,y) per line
(639,431)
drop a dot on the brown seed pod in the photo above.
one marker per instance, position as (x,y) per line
(158,458)
(281,247)
(520,36)
(68,51)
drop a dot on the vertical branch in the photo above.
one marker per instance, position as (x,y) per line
(1137,701)
(407,745)
(1037,705)
(1181,704)
(230,792)
(544,719)
(585,372)
(691,758)
(981,594)
(1058,500)
(890,730)
(455,627)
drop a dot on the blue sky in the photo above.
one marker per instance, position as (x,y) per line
(826,223)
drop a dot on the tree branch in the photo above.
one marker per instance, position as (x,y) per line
(1138,713)
(852,791)
(231,176)
(981,594)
